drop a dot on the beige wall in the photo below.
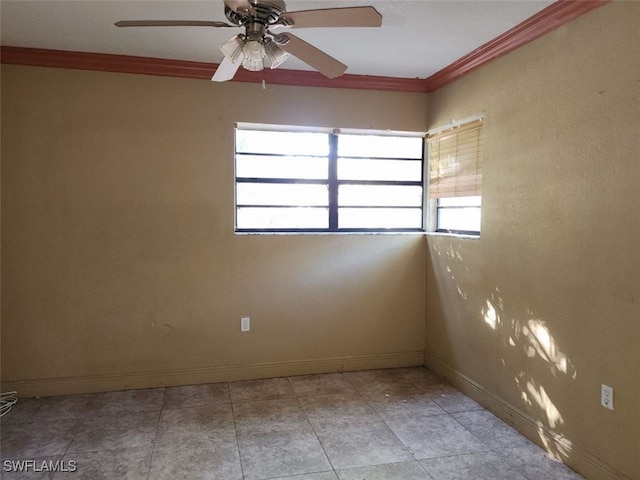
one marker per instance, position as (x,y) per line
(543,308)
(120,267)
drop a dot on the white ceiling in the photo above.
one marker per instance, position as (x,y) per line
(417,37)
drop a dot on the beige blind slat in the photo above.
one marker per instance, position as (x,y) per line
(455,158)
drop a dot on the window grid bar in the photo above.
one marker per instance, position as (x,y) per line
(333,182)
(259,154)
(451,207)
(290,181)
(257,205)
(327,230)
(402,159)
(383,207)
(314,181)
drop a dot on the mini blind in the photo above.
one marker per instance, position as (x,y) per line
(455,157)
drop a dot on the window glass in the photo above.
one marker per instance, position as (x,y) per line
(379,195)
(381,218)
(261,166)
(368,169)
(474,201)
(282,194)
(459,219)
(283,143)
(380,146)
(283,218)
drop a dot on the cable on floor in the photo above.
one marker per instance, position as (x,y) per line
(7,401)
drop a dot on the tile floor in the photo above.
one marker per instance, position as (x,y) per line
(403,423)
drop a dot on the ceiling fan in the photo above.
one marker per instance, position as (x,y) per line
(261,20)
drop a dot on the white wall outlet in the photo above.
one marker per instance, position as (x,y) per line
(245,324)
(606,397)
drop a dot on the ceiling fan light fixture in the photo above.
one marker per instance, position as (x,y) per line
(254,53)
(233,48)
(275,54)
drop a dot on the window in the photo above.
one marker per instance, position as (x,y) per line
(455,178)
(296,181)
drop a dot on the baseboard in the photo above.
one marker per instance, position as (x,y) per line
(577,458)
(45,387)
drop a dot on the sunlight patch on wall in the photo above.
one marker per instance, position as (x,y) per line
(490,315)
(535,395)
(541,343)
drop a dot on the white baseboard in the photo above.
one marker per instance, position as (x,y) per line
(577,458)
(45,387)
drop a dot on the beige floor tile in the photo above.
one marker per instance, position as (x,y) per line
(311,476)
(340,412)
(269,416)
(37,440)
(123,463)
(128,401)
(196,458)
(324,384)
(534,463)
(64,407)
(196,395)
(255,390)
(421,377)
(452,400)
(478,466)
(371,382)
(210,420)
(281,454)
(110,432)
(489,429)
(404,403)
(354,448)
(436,436)
(391,471)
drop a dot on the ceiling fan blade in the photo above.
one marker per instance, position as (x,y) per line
(227,69)
(325,64)
(332,17)
(243,7)
(170,23)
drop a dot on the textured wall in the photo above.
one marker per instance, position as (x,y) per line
(543,308)
(120,267)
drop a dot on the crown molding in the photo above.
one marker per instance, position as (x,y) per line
(548,19)
(197,70)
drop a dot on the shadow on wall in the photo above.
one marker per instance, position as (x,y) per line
(528,353)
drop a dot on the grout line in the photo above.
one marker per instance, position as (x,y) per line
(235,429)
(297,397)
(155,438)
(76,429)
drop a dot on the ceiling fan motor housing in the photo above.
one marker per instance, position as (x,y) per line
(266,12)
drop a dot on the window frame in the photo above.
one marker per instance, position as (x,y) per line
(333,183)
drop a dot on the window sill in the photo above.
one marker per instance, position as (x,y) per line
(332,233)
(454,235)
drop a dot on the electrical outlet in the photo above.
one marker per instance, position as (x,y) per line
(606,397)
(245,324)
